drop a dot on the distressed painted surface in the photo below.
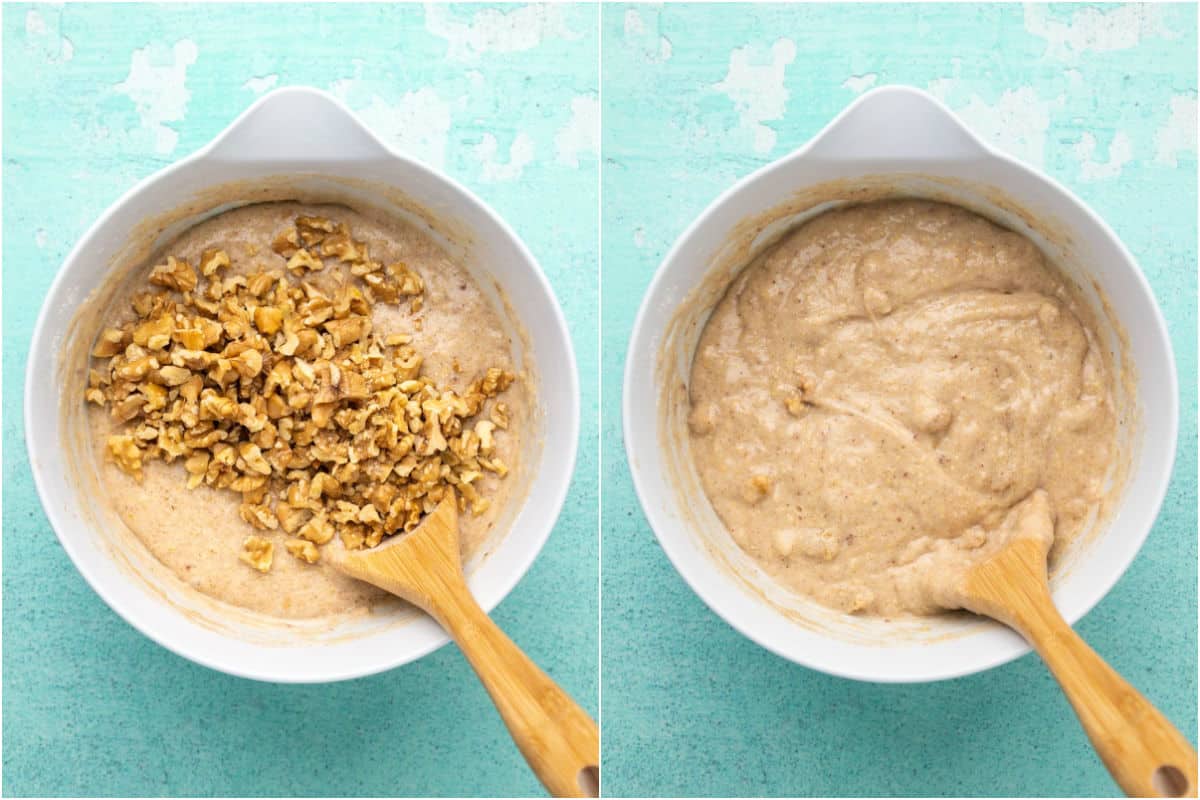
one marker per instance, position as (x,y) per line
(97,97)
(695,97)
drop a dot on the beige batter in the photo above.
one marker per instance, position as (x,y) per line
(198,534)
(875,400)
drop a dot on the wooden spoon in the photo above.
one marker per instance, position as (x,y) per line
(1146,755)
(557,737)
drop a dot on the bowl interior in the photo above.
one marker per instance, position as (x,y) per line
(751,217)
(119,567)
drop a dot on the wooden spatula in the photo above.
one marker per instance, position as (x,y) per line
(557,737)
(1146,755)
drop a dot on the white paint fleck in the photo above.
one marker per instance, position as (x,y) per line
(943,88)
(258,85)
(1116,27)
(158,88)
(520,154)
(860,83)
(757,89)
(1178,134)
(34,24)
(634,25)
(418,124)
(1016,123)
(639,237)
(494,31)
(46,38)
(653,48)
(581,134)
(477,78)
(41,236)
(1074,79)
(1120,153)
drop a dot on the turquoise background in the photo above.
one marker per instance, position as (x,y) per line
(90,706)
(690,706)
(98,97)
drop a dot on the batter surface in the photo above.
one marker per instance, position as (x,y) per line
(198,533)
(875,400)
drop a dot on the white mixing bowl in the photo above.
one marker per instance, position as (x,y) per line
(302,144)
(891,141)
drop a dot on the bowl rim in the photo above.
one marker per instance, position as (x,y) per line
(173,638)
(681,559)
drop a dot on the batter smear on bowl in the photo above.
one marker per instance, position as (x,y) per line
(876,398)
(288,378)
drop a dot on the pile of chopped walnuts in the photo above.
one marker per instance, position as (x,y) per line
(272,388)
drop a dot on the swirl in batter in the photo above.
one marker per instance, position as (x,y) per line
(875,398)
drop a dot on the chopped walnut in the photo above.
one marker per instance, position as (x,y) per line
(270,387)
(213,260)
(268,320)
(303,549)
(794,404)
(303,261)
(258,553)
(174,274)
(500,415)
(758,487)
(111,342)
(125,452)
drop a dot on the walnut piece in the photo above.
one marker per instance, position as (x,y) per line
(213,260)
(267,385)
(757,488)
(174,274)
(258,553)
(303,549)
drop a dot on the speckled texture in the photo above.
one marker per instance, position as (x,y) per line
(97,97)
(696,97)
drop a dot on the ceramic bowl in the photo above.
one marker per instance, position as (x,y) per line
(893,141)
(266,155)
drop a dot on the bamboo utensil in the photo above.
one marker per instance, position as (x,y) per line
(1144,752)
(557,737)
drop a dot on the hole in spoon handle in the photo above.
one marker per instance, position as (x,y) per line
(589,781)
(1169,781)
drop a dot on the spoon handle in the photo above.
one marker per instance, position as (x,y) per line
(1146,754)
(556,736)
